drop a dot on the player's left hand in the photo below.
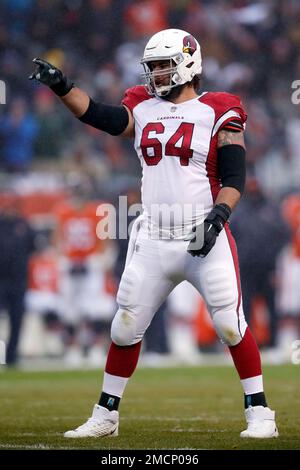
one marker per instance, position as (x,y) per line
(204,235)
(51,76)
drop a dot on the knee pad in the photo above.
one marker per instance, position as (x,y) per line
(220,289)
(229,326)
(123,328)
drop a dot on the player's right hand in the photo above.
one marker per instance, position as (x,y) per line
(51,76)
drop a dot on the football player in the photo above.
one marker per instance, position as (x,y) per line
(192,153)
(84,300)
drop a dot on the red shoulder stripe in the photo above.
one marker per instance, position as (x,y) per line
(134,96)
(221,102)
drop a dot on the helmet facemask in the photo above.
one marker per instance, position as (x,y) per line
(170,72)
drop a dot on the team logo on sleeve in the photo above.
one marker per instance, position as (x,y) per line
(189,44)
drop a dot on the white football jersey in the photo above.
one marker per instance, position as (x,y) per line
(177,148)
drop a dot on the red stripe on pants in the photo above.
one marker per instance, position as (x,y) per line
(234,253)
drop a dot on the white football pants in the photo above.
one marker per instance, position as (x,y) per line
(154,267)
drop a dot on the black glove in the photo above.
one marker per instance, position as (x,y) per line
(52,77)
(204,236)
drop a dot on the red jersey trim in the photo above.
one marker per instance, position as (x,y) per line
(134,96)
(222,102)
(212,168)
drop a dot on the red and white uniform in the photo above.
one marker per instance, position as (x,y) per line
(177,147)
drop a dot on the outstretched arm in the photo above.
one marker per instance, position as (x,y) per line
(77,101)
(115,120)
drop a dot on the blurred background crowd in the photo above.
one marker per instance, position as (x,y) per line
(55,274)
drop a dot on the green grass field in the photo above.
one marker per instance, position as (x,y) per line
(176,408)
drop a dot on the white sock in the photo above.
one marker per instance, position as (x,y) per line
(253,385)
(114,385)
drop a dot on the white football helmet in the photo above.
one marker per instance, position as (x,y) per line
(181,49)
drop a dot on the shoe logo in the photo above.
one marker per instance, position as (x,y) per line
(110,402)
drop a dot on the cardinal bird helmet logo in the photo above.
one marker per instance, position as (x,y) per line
(189,44)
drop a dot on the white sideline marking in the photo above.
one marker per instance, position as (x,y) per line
(41,446)
(15,446)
